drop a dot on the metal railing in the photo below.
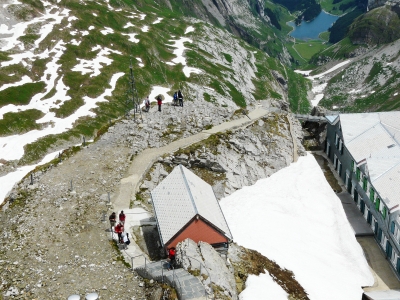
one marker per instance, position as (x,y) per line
(175,280)
(173,276)
(208,274)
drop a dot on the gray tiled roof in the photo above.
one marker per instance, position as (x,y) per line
(373,138)
(180,197)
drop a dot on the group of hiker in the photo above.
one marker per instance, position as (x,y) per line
(123,238)
(177,101)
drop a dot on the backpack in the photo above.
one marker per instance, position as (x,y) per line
(175,96)
(127,241)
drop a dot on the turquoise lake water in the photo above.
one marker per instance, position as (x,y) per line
(311,30)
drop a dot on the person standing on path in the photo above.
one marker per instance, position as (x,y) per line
(171,257)
(119,229)
(159,102)
(180,98)
(147,104)
(122,217)
(175,98)
(113,219)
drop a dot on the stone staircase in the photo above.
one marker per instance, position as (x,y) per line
(186,285)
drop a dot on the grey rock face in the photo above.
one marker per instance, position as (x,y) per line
(205,259)
(241,157)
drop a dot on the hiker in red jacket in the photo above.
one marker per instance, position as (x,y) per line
(122,217)
(119,229)
(171,257)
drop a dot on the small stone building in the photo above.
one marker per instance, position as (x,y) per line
(185,207)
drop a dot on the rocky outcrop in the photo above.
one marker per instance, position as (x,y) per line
(229,161)
(376,3)
(204,260)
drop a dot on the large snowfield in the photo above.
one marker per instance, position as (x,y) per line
(295,219)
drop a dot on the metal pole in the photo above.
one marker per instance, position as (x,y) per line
(71,186)
(84,141)
(31,178)
(162,272)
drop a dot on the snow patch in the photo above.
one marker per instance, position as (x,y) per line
(308,230)
(145,28)
(157,21)
(8,181)
(157,90)
(129,24)
(12,147)
(258,287)
(132,37)
(180,59)
(94,65)
(317,90)
(339,65)
(307,73)
(189,29)
(17,30)
(107,30)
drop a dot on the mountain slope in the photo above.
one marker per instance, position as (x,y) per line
(370,82)
(65,69)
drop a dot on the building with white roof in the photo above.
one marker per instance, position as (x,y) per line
(365,151)
(185,206)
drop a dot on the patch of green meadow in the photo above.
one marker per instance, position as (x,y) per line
(308,48)
(20,122)
(20,95)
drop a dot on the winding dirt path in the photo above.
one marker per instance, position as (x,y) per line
(142,162)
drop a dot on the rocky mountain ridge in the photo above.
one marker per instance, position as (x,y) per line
(377,3)
(61,219)
(369,82)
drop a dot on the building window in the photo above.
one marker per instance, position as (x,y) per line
(358,174)
(398,265)
(352,166)
(341,146)
(392,227)
(393,258)
(328,146)
(365,183)
(384,212)
(377,204)
(372,194)
(337,141)
(335,160)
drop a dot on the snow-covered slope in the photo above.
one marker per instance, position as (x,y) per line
(294,218)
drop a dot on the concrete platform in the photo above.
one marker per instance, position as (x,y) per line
(354,216)
(385,278)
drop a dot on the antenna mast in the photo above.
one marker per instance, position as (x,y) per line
(133,97)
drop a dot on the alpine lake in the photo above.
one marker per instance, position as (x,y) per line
(311,30)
